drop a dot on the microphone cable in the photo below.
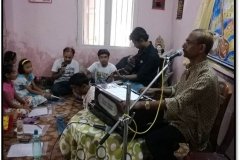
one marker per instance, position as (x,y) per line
(134,131)
(159,106)
(59,138)
(101,127)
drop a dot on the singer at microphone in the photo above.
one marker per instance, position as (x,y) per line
(187,105)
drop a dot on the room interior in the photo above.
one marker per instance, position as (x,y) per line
(40,31)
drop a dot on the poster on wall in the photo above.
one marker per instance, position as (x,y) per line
(222,24)
(158,4)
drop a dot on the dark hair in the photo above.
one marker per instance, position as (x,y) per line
(205,37)
(69,49)
(21,64)
(79,79)
(9,56)
(7,69)
(139,33)
(103,51)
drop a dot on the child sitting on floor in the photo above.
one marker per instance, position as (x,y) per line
(10,57)
(101,70)
(25,86)
(10,98)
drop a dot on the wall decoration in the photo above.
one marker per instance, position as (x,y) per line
(180,9)
(222,24)
(40,1)
(158,4)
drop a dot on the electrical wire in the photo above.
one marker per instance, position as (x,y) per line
(135,124)
(134,131)
(92,125)
(159,106)
(59,138)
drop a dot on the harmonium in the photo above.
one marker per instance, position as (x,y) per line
(108,102)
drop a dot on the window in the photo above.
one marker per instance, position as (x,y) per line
(107,22)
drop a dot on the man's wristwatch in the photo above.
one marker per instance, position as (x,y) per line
(147,105)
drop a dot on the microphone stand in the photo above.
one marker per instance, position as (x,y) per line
(125,119)
(150,84)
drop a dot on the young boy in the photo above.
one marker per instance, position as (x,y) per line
(79,83)
(100,70)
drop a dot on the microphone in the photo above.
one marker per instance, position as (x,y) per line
(170,55)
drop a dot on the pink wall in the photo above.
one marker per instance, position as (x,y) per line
(156,22)
(41,31)
(181,29)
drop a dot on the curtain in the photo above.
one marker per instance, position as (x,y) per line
(204,14)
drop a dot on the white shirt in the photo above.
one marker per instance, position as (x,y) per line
(70,70)
(101,73)
(89,96)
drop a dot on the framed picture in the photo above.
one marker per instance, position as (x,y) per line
(222,25)
(40,1)
(180,9)
(158,4)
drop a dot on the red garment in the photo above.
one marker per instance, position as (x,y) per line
(9,92)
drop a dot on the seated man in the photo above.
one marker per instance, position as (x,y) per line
(191,110)
(62,70)
(101,70)
(144,65)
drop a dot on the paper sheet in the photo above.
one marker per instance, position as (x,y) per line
(121,92)
(21,150)
(38,112)
(29,129)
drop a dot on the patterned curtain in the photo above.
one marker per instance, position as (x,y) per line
(204,14)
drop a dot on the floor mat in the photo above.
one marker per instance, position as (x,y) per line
(67,109)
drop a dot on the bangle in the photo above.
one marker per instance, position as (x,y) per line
(147,105)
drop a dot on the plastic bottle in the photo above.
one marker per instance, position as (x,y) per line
(36,146)
(19,126)
(49,108)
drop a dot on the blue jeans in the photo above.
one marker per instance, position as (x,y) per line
(61,88)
